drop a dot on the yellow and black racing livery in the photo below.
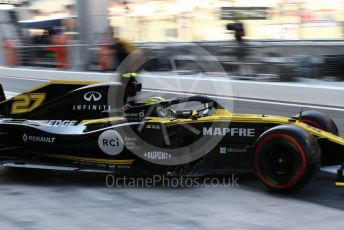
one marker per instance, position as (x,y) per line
(87,126)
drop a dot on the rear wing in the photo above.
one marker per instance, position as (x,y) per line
(28,101)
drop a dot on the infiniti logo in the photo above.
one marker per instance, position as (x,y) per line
(25,137)
(92,96)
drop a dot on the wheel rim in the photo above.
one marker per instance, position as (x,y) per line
(281,162)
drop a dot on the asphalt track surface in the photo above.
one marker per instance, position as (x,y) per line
(35,199)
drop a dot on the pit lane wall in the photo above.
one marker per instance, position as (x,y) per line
(219,86)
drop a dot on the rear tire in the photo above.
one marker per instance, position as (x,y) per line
(286,157)
(319,120)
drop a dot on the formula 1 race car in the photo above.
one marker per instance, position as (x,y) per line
(82,126)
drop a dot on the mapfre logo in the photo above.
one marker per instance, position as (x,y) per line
(233,132)
(92,96)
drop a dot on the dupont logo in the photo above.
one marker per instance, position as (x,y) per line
(157,155)
(92,96)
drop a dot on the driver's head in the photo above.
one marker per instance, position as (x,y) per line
(153,100)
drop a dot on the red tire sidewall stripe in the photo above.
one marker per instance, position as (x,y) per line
(311,123)
(300,171)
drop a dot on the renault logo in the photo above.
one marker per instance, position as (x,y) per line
(92,96)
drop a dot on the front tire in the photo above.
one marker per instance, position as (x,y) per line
(286,157)
(318,120)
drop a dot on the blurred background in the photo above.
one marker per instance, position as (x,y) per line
(295,41)
(274,40)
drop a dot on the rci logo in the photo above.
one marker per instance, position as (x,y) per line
(27,102)
(111,142)
(92,96)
